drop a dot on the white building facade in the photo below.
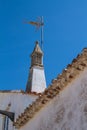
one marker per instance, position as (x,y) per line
(14,102)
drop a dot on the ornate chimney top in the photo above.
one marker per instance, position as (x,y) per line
(36,56)
(37,49)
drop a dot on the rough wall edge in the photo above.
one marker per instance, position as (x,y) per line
(62,80)
(20,92)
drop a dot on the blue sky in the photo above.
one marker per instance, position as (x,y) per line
(65,35)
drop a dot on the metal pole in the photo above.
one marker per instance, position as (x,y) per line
(42,23)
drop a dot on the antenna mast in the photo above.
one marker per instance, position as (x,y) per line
(38,24)
(42,41)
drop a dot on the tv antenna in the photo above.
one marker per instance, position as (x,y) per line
(38,24)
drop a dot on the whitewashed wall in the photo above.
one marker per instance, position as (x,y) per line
(67,111)
(38,80)
(18,102)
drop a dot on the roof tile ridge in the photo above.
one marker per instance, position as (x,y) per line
(78,64)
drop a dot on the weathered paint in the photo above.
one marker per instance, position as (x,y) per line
(67,111)
(14,102)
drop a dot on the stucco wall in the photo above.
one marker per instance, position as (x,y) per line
(67,111)
(14,102)
(38,80)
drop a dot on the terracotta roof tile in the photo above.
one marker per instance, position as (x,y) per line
(54,89)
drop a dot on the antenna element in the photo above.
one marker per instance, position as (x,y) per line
(38,24)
